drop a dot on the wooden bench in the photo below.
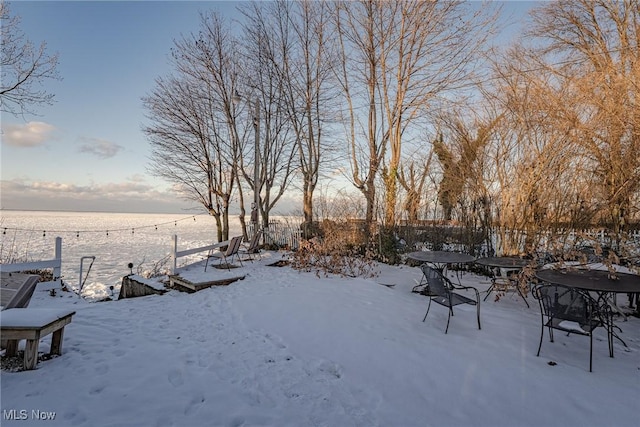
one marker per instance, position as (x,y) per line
(33,324)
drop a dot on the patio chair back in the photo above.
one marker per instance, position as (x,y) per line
(231,251)
(441,292)
(234,246)
(254,243)
(435,281)
(573,311)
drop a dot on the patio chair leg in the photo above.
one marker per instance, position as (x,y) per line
(224,258)
(428,307)
(489,290)
(591,351)
(610,336)
(541,337)
(522,296)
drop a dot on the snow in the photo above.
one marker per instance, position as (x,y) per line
(34,318)
(285,348)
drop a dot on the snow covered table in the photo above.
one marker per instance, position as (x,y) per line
(33,324)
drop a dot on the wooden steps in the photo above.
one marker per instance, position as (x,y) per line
(182,284)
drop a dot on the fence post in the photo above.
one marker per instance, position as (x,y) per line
(174,256)
(57,255)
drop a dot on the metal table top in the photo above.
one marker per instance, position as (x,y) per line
(591,280)
(441,257)
(504,262)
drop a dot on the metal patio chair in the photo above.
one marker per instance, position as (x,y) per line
(441,292)
(230,252)
(253,247)
(573,311)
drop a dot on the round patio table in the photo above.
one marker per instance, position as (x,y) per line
(439,260)
(592,280)
(505,262)
(441,257)
(599,281)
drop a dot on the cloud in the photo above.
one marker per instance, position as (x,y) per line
(136,178)
(107,197)
(32,134)
(99,147)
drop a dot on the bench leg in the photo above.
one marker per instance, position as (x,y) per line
(31,354)
(56,341)
(12,347)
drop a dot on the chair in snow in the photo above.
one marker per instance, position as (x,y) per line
(441,292)
(573,311)
(230,252)
(253,247)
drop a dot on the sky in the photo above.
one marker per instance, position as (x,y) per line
(305,349)
(87,151)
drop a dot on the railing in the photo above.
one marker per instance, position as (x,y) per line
(175,253)
(55,263)
(276,233)
(280,235)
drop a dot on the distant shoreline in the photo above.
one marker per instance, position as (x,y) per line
(194,212)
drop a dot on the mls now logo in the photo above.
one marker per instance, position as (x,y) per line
(23,414)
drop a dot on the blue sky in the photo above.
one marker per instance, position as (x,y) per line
(87,151)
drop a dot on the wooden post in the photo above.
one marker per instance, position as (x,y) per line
(31,353)
(56,341)
(174,254)
(57,255)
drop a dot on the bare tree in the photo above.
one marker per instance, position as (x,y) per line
(413,178)
(307,75)
(531,167)
(592,48)
(572,132)
(265,48)
(193,130)
(24,68)
(398,59)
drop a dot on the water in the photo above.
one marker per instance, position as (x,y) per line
(115,239)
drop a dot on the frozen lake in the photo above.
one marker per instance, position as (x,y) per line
(115,239)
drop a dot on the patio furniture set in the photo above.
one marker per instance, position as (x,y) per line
(575,300)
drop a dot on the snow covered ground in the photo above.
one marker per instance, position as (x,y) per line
(284,348)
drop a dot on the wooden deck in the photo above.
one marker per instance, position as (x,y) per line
(182,284)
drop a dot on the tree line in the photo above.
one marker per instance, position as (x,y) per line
(409,101)
(415,107)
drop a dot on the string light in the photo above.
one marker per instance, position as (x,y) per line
(77,232)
